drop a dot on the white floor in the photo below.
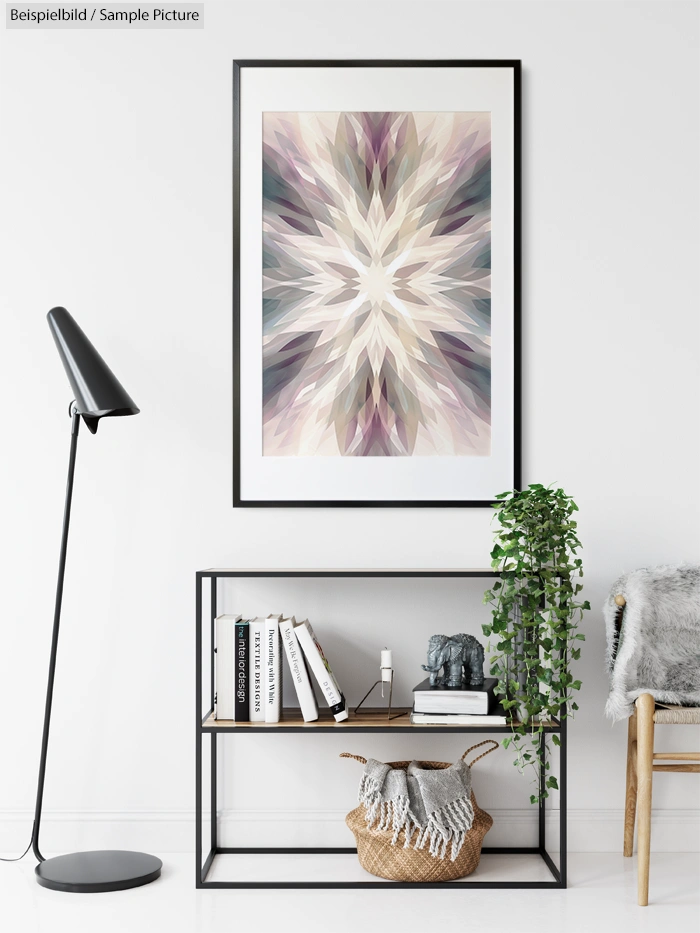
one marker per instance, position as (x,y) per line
(601,898)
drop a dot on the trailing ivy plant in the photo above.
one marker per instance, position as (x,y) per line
(535,615)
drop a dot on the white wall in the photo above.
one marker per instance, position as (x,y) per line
(116,203)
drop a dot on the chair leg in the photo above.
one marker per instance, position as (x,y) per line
(630,785)
(645,764)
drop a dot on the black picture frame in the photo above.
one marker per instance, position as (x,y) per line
(515,65)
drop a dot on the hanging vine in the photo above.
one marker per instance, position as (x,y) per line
(535,616)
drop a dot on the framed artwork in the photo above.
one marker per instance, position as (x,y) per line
(376,282)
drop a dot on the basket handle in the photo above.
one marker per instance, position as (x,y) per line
(363,761)
(492,742)
(494,745)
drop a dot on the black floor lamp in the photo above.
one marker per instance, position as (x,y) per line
(98,394)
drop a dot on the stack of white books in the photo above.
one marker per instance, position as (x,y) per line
(249,669)
(458,706)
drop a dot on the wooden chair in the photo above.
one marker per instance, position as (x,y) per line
(641,764)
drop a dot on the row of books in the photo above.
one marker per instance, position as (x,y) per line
(458,706)
(249,669)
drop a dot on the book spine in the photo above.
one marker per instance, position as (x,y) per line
(256,702)
(322,671)
(300,676)
(473,708)
(240,700)
(223,702)
(456,719)
(272,670)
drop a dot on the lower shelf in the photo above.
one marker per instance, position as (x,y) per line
(367,721)
(497,869)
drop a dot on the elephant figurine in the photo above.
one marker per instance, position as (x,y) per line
(454,660)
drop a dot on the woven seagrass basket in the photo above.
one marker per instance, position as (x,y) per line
(379,857)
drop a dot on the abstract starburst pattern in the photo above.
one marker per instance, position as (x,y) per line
(376,284)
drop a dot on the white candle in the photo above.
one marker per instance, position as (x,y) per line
(386,665)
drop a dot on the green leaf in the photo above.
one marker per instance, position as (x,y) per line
(555,739)
(552,782)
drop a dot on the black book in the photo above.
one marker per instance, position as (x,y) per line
(241,692)
(465,700)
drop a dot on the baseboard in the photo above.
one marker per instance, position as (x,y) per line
(77,830)
(173,830)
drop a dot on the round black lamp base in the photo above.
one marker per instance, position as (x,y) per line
(107,870)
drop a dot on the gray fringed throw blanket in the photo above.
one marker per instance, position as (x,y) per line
(434,805)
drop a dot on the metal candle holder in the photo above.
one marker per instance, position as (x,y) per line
(387,677)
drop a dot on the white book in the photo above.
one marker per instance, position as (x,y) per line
(224,668)
(256,654)
(273,669)
(460,701)
(297,667)
(321,670)
(455,719)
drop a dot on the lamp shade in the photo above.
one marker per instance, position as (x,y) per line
(98,393)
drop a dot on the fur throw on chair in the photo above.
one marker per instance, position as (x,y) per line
(658,648)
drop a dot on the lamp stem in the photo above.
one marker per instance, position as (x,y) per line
(75,425)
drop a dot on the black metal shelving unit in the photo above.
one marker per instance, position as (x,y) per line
(206,725)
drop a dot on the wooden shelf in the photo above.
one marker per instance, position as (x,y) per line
(366,721)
